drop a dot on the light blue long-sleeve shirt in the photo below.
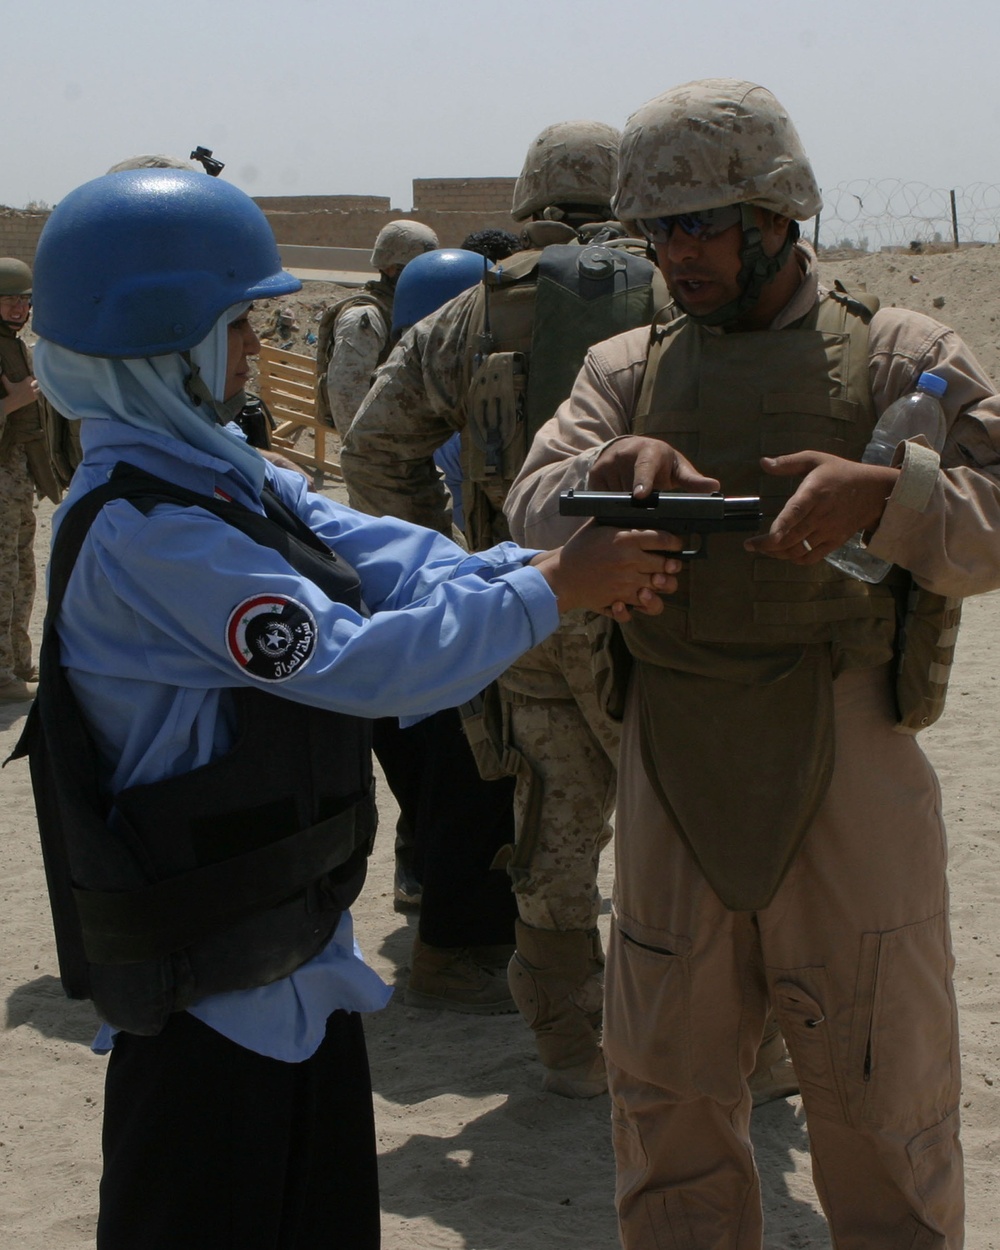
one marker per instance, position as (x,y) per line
(147,639)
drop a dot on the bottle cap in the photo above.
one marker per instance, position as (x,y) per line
(931,383)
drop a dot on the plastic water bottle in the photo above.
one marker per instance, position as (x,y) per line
(920,412)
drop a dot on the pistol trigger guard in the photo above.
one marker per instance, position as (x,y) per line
(695,547)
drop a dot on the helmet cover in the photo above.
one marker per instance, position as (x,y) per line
(711,143)
(400,241)
(15,276)
(568,163)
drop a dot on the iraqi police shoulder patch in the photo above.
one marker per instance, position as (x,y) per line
(271,636)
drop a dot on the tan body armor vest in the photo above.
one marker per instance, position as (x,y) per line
(376,292)
(32,426)
(735,677)
(725,400)
(530,333)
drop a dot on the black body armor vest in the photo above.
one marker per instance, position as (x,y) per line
(229,876)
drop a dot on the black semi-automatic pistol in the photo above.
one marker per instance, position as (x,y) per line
(691,517)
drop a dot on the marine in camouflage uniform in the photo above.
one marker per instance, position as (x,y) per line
(779,835)
(26,463)
(558,741)
(354,334)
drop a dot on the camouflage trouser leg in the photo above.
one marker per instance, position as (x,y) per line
(571,748)
(17,564)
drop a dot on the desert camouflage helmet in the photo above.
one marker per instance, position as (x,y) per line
(400,241)
(15,276)
(711,143)
(568,163)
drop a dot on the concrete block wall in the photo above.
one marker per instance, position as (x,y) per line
(19,231)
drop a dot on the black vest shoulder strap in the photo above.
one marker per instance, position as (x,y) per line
(280,529)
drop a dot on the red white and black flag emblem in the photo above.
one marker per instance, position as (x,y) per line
(271,636)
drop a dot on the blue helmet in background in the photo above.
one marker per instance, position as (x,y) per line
(430,280)
(144,262)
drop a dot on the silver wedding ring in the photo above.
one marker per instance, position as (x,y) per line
(806,545)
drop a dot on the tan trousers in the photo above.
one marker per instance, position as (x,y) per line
(854,953)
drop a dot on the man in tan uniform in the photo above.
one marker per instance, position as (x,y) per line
(25,464)
(353,336)
(777,841)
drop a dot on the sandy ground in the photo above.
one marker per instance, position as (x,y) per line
(473,1156)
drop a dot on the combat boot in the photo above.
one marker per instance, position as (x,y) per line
(18,691)
(495,956)
(773,1076)
(556,981)
(449,978)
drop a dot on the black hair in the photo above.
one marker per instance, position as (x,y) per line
(493,244)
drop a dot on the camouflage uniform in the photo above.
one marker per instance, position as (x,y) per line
(358,342)
(559,744)
(25,463)
(354,333)
(417,401)
(17,565)
(557,723)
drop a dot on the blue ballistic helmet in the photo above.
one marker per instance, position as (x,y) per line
(144,262)
(430,280)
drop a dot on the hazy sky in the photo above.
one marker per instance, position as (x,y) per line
(324,97)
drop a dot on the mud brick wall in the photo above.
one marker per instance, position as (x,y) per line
(452,207)
(358,229)
(323,203)
(463,195)
(19,231)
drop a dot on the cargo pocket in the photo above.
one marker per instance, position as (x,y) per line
(611,663)
(808,1036)
(631,1161)
(647,1012)
(483,723)
(936,1159)
(496,447)
(904,1054)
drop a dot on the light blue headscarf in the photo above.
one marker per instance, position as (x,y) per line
(150,393)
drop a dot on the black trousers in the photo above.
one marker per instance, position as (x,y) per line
(459,823)
(208,1146)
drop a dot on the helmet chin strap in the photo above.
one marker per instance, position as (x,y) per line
(757,269)
(224,410)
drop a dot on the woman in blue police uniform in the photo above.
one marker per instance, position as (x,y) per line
(218,638)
